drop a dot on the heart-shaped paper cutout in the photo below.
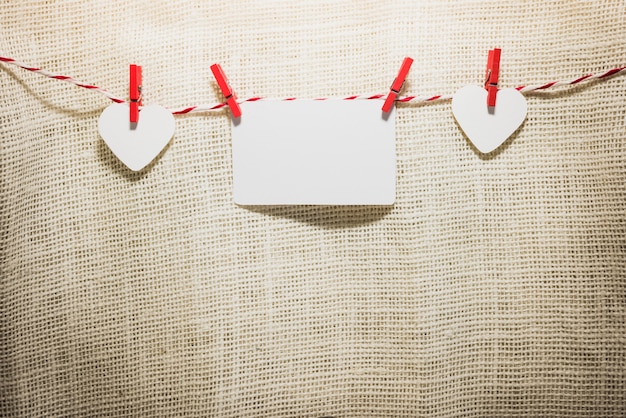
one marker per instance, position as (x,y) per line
(136,144)
(488,127)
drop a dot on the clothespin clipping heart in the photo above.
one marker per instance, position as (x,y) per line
(136,136)
(488,116)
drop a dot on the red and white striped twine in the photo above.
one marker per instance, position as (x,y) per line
(401,99)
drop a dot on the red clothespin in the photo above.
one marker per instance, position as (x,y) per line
(397,84)
(227,91)
(491,79)
(135,92)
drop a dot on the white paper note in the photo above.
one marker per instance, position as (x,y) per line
(331,152)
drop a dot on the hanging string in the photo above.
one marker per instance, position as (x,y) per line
(62,78)
(217,106)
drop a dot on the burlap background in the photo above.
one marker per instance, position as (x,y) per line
(495,286)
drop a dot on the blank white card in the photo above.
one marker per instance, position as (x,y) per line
(330,152)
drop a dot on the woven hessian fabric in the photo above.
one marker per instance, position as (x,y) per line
(495,286)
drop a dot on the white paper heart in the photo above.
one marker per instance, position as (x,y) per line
(486,127)
(137,145)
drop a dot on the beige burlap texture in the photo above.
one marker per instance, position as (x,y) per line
(495,286)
